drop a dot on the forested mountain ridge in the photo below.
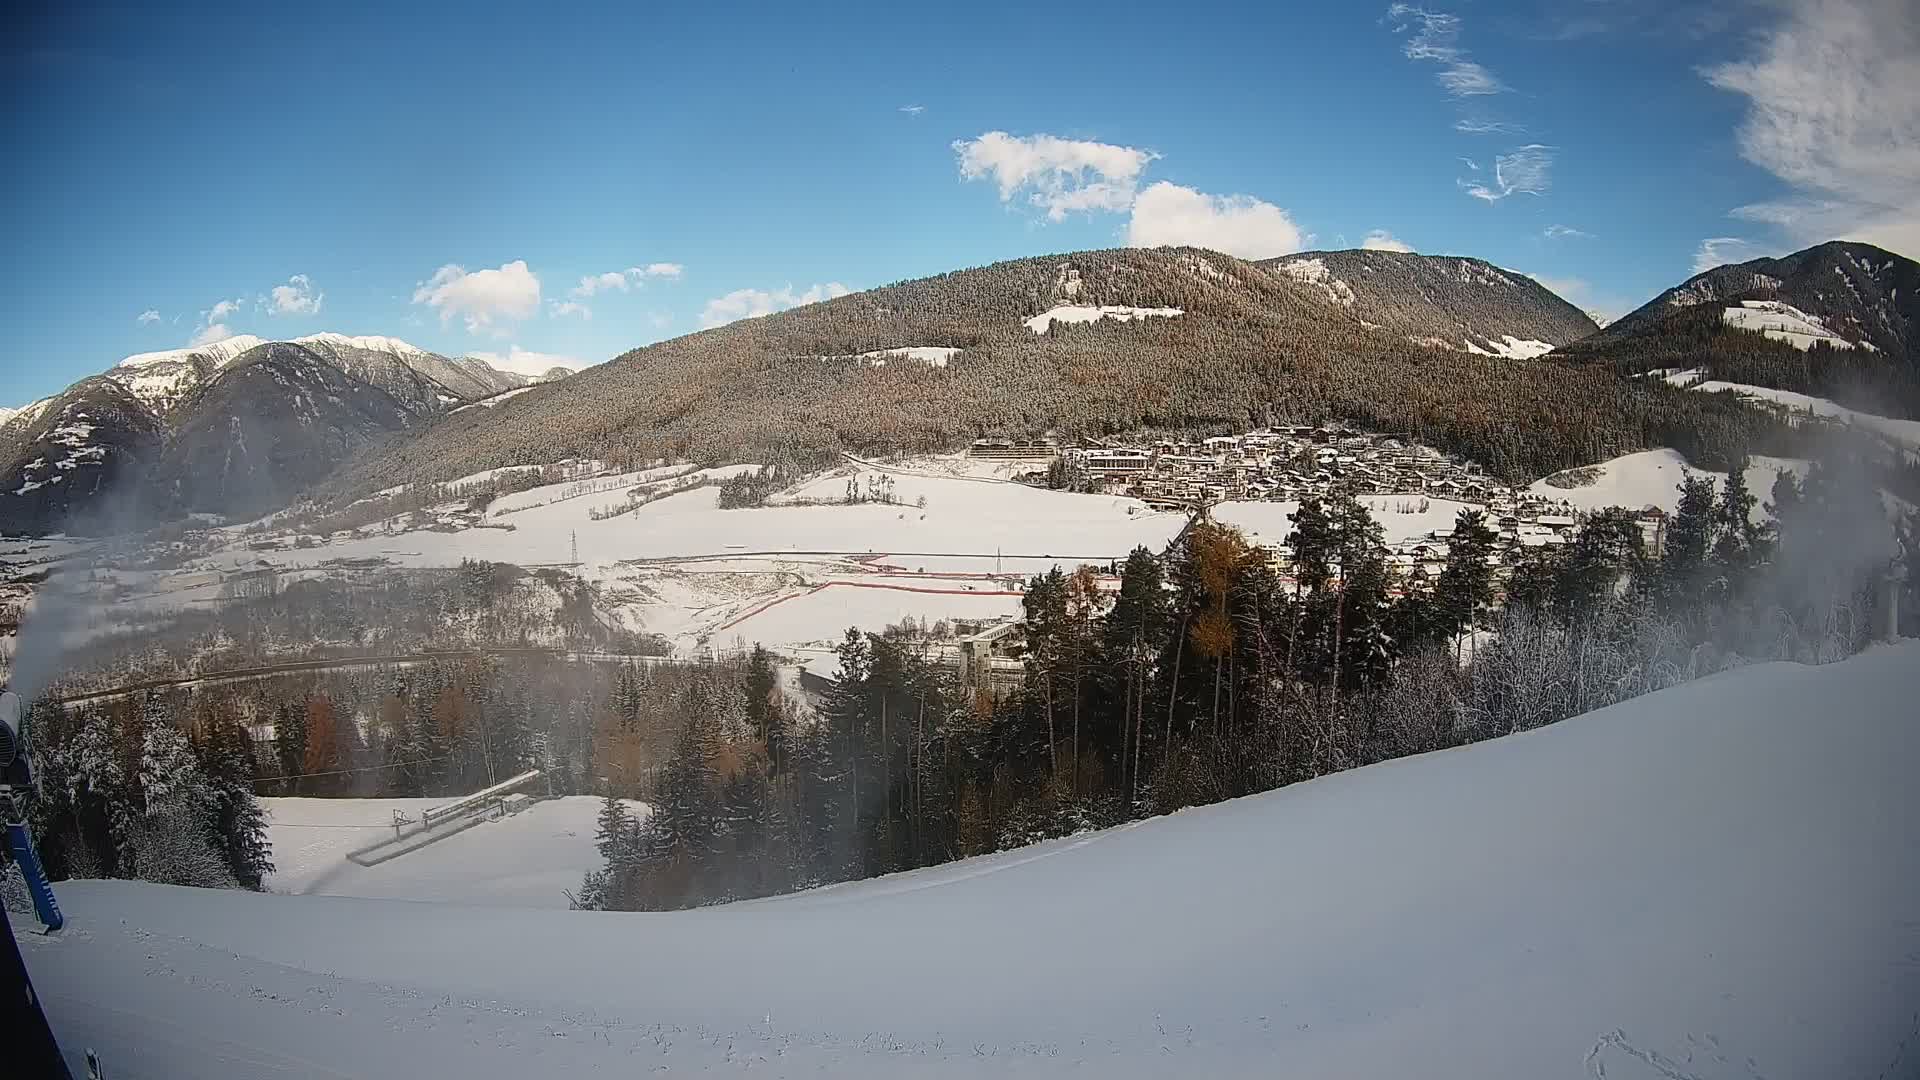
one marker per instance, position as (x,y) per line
(1442,300)
(1839,320)
(1251,345)
(1858,291)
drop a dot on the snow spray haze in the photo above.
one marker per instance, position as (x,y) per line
(121,525)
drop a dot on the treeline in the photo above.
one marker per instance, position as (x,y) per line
(141,789)
(1210,675)
(162,785)
(389,611)
(1253,346)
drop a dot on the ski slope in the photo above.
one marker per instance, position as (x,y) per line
(1717,882)
(531,859)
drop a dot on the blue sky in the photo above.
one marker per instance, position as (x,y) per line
(451,175)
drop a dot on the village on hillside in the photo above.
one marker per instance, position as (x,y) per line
(1289,464)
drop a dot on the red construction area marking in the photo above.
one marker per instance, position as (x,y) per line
(778,600)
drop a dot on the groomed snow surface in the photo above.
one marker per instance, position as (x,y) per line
(1716,882)
(530,859)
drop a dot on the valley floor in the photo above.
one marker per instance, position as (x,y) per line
(1717,881)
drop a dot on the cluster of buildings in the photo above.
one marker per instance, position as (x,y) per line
(1288,464)
(1281,463)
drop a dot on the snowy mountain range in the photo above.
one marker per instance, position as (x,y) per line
(1850,294)
(231,426)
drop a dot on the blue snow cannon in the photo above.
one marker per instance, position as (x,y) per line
(16,788)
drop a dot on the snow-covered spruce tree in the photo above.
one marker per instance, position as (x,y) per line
(174,842)
(226,756)
(172,847)
(100,793)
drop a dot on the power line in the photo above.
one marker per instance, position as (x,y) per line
(346,772)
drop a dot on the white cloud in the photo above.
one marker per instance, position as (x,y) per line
(296,297)
(1382,240)
(753,303)
(528,362)
(147,316)
(1834,111)
(622,280)
(1170,215)
(1525,171)
(1470,163)
(509,293)
(221,309)
(1435,36)
(1559,232)
(560,309)
(1057,175)
(594,283)
(913,110)
(1721,250)
(1472,126)
(209,334)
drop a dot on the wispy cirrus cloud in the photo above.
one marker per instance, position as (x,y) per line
(1566,232)
(1721,250)
(1833,91)
(1058,176)
(1470,125)
(1528,170)
(1434,36)
(148,316)
(913,110)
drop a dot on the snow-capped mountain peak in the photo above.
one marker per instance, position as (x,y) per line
(370,342)
(220,353)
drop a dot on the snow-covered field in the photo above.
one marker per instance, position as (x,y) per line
(1717,882)
(1081,313)
(684,568)
(1512,348)
(528,860)
(1783,322)
(1652,478)
(1905,432)
(1400,516)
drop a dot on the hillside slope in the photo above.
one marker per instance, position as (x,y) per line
(1443,301)
(274,422)
(1221,343)
(1840,320)
(62,455)
(1717,881)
